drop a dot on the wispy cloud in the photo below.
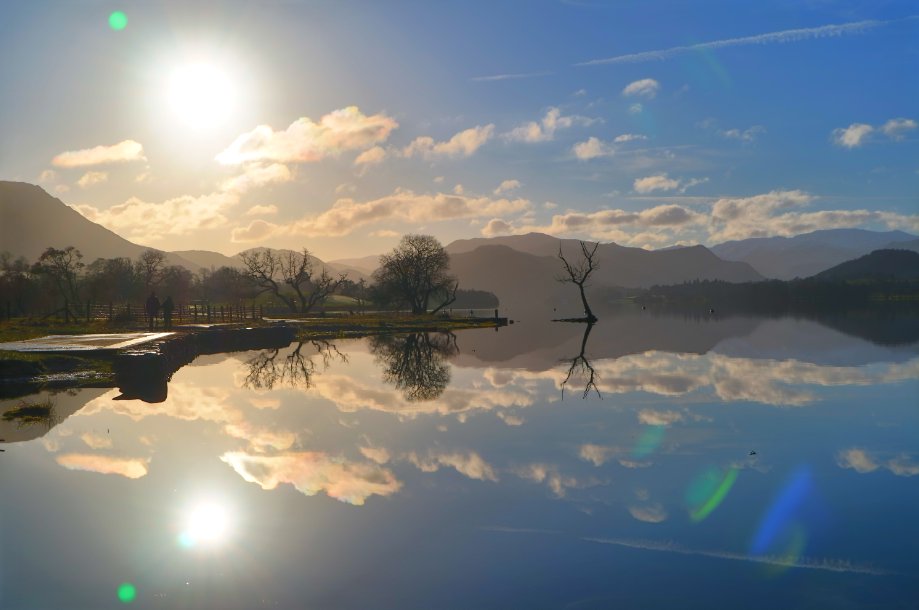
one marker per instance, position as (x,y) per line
(514,76)
(126,150)
(829,565)
(795,35)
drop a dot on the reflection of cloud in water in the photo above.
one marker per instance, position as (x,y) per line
(649,513)
(471,464)
(96,441)
(132,468)
(554,480)
(650,417)
(863,462)
(831,565)
(312,472)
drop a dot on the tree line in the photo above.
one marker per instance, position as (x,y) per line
(414,276)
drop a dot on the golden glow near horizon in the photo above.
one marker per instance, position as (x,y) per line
(201,94)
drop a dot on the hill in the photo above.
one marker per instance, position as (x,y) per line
(878,265)
(804,255)
(33,220)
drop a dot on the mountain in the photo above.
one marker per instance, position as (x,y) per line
(878,265)
(366,264)
(804,255)
(912,244)
(205,259)
(521,269)
(31,220)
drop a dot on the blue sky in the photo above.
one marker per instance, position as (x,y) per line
(341,125)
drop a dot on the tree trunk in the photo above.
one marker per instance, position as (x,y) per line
(588,314)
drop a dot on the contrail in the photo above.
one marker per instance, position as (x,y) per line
(823,31)
(803,563)
(496,77)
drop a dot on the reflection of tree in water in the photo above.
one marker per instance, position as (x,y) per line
(28,413)
(416,363)
(295,369)
(580,367)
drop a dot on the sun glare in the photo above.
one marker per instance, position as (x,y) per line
(205,525)
(201,94)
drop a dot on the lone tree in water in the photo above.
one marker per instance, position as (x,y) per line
(416,274)
(577,273)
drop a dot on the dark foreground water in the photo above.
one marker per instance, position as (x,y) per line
(712,463)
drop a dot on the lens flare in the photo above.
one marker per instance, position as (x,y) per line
(782,510)
(117,20)
(126,592)
(649,441)
(716,498)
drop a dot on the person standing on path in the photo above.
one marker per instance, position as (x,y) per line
(152,308)
(168,306)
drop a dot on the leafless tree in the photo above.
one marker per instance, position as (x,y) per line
(416,273)
(63,267)
(276,272)
(581,367)
(149,267)
(578,273)
(295,370)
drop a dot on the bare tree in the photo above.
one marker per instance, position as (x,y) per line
(416,273)
(63,267)
(149,267)
(578,273)
(295,370)
(275,271)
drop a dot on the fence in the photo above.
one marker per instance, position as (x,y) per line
(195,313)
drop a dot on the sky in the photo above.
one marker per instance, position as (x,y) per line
(340,126)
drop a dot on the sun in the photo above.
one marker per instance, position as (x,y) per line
(201,94)
(206,524)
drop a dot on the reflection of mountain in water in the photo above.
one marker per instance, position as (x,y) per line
(416,363)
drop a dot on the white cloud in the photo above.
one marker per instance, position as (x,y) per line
(124,151)
(651,417)
(506,186)
(378,454)
(254,175)
(897,128)
(744,135)
(660,182)
(49,175)
(371,156)
(470,465)
(646,88)
(254,231)
(262,210)
(596,454)
(636,108)
(92,178)
(650,513)
(384,233)
(544,130)
(305,141)
(348,214)
(548,474)
(629,137)
(863,462)
(497,226)
(513,76)
(852,136)
(463,144)
(591,149)
(795,35)
(132,468)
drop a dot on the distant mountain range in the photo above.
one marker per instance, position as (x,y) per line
(522,270)
(786,258)
(879,265)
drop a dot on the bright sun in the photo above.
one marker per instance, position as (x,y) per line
(206,524)
(201,94)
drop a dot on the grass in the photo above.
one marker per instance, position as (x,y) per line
(29,413)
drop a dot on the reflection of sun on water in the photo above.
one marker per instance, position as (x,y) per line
(207,524)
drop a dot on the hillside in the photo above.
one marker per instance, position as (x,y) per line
(33,220)
(878,265)
(804,255)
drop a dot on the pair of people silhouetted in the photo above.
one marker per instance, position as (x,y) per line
(153,307)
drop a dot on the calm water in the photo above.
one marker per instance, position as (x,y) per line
(739,462)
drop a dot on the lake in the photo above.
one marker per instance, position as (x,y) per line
(661,461)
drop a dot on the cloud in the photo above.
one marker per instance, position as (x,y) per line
(305,141)
(146,221)
(660,182)
(470,465)
(124,151)
(744,135)
(636,108)
(49,175)
(549,474)
(91,178)
(254,175)
(463,144)
(596,454)
(262,210)
(783,36)
(371,156)
(852,136)
(897,128)
(646,88)
(506,186)
(96,441)
(132,468)
(254,231)
(347,214)
(544,130)
(863,462)
(650,417)
(497,226)
(513,76)
(376,454)
(384,233)
(591,149)
(650,513)
(629,137)
(313,472)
